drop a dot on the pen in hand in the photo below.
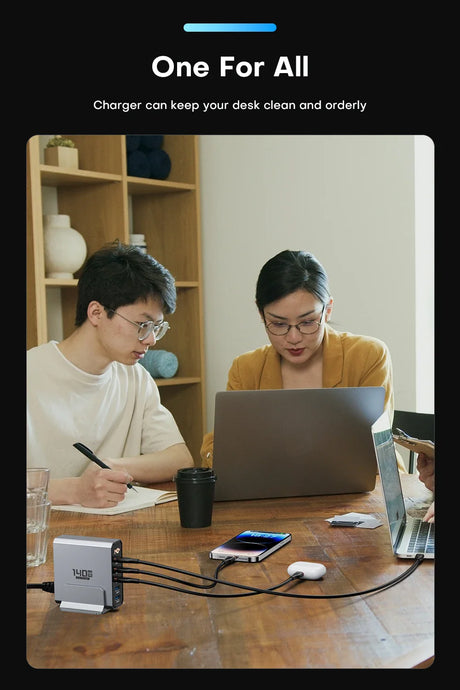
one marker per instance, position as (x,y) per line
(89,454)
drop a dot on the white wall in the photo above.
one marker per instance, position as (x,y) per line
(348,199)
(424,276)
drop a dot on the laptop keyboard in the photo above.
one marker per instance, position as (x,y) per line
(422,538)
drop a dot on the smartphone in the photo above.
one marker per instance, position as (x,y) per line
(251,546)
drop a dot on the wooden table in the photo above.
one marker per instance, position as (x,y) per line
(163,629)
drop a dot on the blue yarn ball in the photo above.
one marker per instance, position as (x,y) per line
(160,363)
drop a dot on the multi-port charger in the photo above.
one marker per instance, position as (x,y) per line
(83,574)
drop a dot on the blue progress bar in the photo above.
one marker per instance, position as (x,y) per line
(229,27)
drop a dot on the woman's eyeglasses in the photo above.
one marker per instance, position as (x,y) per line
(305,327)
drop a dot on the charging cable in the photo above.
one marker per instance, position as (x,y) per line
(119,572)
(117,569)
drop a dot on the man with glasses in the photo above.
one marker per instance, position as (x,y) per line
(295,306)
(87,388)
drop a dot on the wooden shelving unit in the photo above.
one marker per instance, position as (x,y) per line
(101,200)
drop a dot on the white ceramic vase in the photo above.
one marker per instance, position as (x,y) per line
(65,247)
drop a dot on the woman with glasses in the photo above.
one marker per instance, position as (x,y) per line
(86,389)
(295,305)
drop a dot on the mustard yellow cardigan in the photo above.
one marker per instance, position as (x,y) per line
(348,361)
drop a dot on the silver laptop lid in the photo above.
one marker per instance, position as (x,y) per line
(302,442)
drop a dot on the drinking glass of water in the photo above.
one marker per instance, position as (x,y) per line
(37,479)
(38,516)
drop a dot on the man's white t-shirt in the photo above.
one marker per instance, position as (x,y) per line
(115,414)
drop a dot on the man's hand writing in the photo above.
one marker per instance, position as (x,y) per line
(103,488)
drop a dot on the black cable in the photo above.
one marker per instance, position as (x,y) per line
(227,561)
(45,586)
(255,590)
(214,580)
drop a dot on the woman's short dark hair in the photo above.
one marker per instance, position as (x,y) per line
(120,274)
(287,272)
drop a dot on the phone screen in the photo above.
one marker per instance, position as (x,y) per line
(251,545)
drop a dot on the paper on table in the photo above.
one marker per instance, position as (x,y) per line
(132,501)
(365,521)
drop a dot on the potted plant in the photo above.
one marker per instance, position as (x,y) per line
(61,151)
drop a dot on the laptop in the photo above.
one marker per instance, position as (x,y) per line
(296,442)
(409,535)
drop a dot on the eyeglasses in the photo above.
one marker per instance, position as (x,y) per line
(147,328)
(304,327)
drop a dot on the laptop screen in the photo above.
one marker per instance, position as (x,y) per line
(389,474)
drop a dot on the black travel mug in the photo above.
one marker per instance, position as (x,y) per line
(195,495)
